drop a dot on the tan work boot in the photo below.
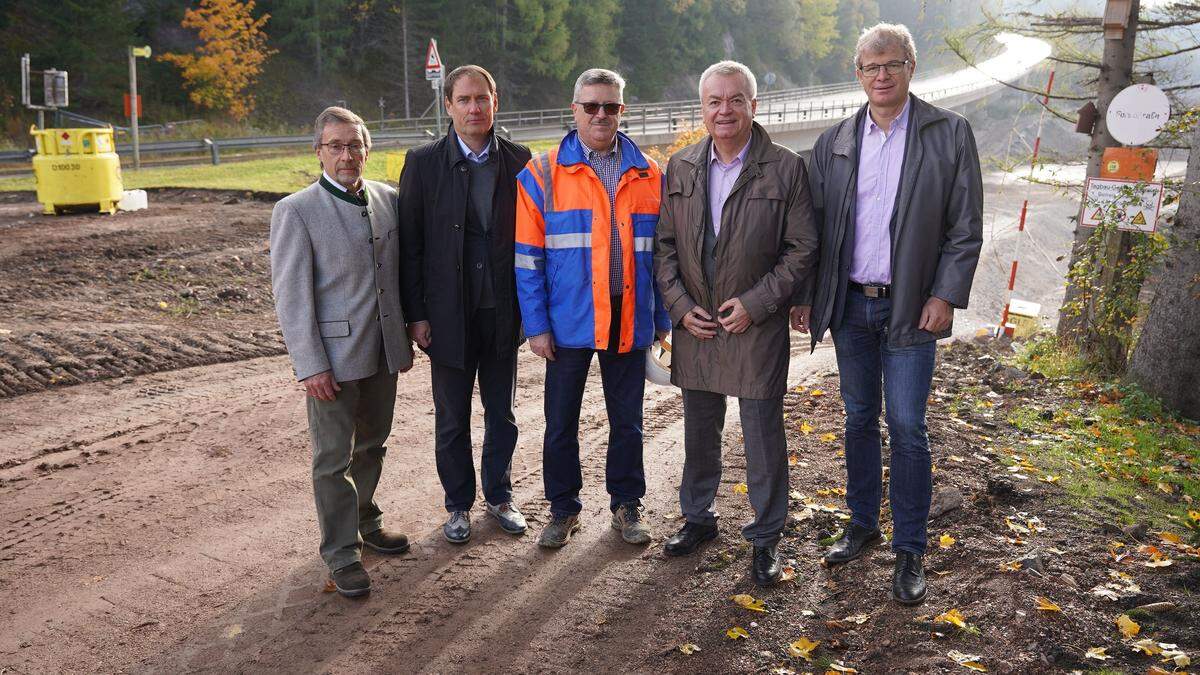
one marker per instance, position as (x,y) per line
(628,519)
(558,531)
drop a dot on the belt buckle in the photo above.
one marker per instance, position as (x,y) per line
(874,291)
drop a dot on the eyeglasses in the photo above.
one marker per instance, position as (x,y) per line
(356,149)
(592,107)
(893,68)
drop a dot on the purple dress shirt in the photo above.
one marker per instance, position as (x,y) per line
(879,160)
(721,178)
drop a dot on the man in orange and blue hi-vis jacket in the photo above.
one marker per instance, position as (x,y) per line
(586,216)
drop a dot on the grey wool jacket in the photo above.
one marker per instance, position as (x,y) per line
(335,271)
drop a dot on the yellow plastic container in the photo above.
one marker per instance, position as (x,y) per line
(76,167)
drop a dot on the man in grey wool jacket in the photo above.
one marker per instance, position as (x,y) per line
(335,274)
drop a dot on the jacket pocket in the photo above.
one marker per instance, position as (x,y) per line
(334,329)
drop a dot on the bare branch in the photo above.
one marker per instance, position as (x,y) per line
(1086,64)
(1163,56)
(1182,87)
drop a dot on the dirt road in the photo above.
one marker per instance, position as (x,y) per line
(159,517)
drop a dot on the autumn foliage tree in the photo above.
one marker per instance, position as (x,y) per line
(233,47)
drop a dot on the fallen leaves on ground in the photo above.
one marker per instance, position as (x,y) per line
(802,648)
(740,489)
(330,587)
(838,667)
(1045,605)
(969,661)
(857,618)
(806,428)
(747,601)
(1127,626)
(689,648)
(1097,653)
(788,573)
(946,541)
(829,437)
(952,616)
(736,633)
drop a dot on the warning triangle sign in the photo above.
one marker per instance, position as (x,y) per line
(1099,214)
(1139,219)
(432,58)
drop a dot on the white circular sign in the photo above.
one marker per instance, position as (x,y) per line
(1137,114)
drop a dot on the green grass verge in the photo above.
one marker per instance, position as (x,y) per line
(1108,444)
(286,173)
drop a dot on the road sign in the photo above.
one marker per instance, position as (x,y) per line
(1136,203)
(434,69)
(1137,114)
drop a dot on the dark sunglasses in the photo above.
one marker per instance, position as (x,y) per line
(591,107)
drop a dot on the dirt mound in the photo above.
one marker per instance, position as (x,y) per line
(87,296)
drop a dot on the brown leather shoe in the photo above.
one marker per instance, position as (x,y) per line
(386,542)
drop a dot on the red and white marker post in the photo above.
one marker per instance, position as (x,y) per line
(1012,275)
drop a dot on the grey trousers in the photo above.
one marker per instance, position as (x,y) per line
(347,440)
(766,462)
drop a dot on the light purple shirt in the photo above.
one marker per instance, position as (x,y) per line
(721,178)
(879,162)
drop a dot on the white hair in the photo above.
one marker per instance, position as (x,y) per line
(337,114)
(599,76)
(881,36)
(730,68)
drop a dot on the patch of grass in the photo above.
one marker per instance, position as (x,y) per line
(285,173)
(1113,446)
(1042,354)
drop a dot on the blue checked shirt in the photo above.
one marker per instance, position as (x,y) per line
(607,166)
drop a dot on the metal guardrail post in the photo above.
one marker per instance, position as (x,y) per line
(214,150)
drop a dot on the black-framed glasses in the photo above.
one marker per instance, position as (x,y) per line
(356,149)
(592,107)
(893,68)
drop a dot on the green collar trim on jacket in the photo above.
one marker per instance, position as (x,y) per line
(345,195)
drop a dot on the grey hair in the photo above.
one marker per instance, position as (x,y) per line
(599,76)
(730,68)
(337,114)
(879,37)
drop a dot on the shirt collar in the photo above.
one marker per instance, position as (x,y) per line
(338,190)
(599,154)
(900,123)
(470,154)
(741,156)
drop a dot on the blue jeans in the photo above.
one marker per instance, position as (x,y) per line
(624,379)
(872,371)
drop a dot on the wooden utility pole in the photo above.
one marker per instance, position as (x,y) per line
(1116,73)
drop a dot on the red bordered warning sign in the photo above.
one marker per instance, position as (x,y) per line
(1133,204)
(434,70)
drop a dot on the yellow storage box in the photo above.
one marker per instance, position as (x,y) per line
(76,167)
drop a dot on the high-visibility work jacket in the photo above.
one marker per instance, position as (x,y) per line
(563,246)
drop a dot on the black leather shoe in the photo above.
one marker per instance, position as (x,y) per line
(352,580)
(689,538)
(765,566)
(855,541)
(908,581)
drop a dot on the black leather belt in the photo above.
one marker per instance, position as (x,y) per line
(871,291)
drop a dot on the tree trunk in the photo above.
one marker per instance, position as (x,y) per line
(1116,73)
(1166,360)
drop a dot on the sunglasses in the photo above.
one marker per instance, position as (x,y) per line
(591,107)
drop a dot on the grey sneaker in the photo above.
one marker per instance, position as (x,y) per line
(352,580)
(628,519)
(511,520)
(558,532)
(457,529)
